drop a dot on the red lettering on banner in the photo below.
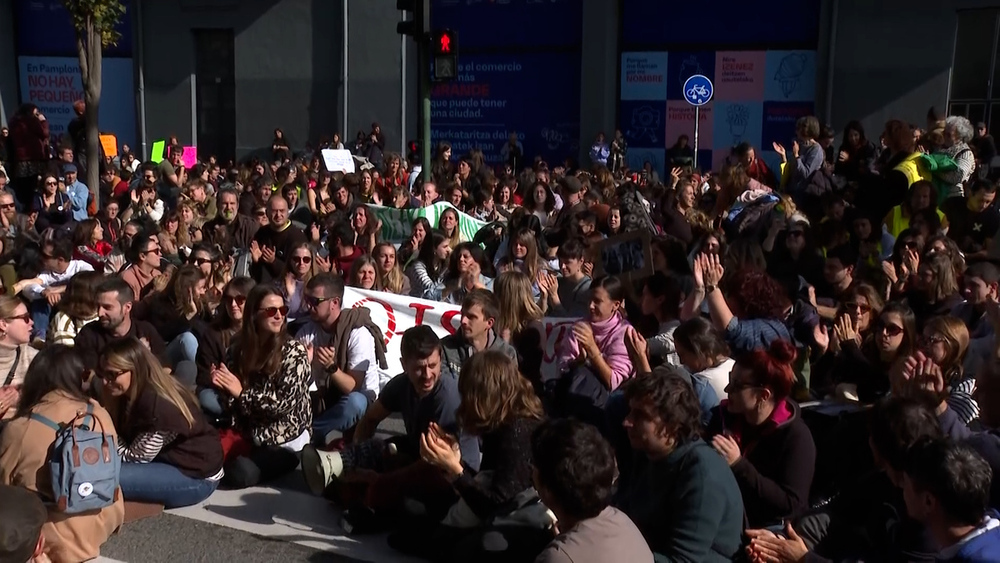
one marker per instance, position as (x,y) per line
(563,329)
(389,313)
(446,320)
(418,317)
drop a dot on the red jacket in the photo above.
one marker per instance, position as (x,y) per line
(29,139)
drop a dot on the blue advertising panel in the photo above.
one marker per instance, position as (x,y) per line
(790,76)
(721,22)
(53,84)
(685,65)
(536,95)
(757,96)
(44,28)
(503,23)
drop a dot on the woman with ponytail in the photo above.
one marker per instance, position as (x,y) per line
(759,431)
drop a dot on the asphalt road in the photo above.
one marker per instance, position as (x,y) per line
(278,523)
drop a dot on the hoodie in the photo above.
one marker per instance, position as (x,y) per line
(979,546)
(778,459)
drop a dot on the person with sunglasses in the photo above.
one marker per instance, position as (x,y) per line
(214,341)
(347,351)
(145,259)
(15,353)
(265,384)
(759,432)
(52,204)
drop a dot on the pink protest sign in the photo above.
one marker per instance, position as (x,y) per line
(190,157)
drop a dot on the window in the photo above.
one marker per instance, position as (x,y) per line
(975,79)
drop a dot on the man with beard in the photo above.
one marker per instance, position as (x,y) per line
(114,322)
(229,228)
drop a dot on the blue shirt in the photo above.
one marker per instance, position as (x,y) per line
(79,195)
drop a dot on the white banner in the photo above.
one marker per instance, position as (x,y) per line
(395,313)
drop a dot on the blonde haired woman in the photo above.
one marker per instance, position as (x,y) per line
(500,407)
(390,274)
(171,455)
(15,353)
(520,321)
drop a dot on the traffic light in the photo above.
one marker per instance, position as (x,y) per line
(445,48)
(419,23)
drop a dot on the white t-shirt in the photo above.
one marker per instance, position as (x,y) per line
(360,356)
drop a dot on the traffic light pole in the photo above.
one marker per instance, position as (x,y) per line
(424,113)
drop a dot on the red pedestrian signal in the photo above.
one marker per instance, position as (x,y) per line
(445,42)
(445,55)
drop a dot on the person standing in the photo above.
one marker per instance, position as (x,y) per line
(78,192)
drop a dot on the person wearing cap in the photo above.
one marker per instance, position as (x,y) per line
(23,516)
(78,193)
(572,195)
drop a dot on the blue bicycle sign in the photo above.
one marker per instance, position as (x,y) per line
(698,90)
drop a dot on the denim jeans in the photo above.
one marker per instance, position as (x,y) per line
(182,348)
(209,401)
(40,312)
(341,416)
(164,484)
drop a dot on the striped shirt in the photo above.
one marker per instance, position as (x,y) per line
(148,445)
(960,399)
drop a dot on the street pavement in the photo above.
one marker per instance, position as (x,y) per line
(279,522)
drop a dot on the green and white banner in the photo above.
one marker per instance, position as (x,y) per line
(397,224)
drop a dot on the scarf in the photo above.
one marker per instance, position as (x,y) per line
(349,320)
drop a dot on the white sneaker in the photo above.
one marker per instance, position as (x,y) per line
(320,468)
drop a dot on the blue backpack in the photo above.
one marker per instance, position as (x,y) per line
(85,465)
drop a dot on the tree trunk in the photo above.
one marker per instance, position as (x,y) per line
(90,52)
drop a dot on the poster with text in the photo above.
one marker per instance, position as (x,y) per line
(644,76)
(779,122)
(683,65)
(536,95)
(790,76)
(54,83)
(680,121)
(739,75)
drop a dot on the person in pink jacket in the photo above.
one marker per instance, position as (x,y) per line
(599,341)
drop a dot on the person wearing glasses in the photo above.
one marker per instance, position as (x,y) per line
(273,244)
(52,204)
(347,351)
(265,384)
(170,453)
(145,264)
(759,432)
(214,341)
(15,353)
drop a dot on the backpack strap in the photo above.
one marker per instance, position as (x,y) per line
(46,421)
(13,367)
(89,415)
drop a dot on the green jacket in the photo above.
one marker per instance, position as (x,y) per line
(687,505)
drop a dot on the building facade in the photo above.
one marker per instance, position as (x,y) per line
(223,74)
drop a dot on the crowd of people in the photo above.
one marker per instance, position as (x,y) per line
(805,370)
